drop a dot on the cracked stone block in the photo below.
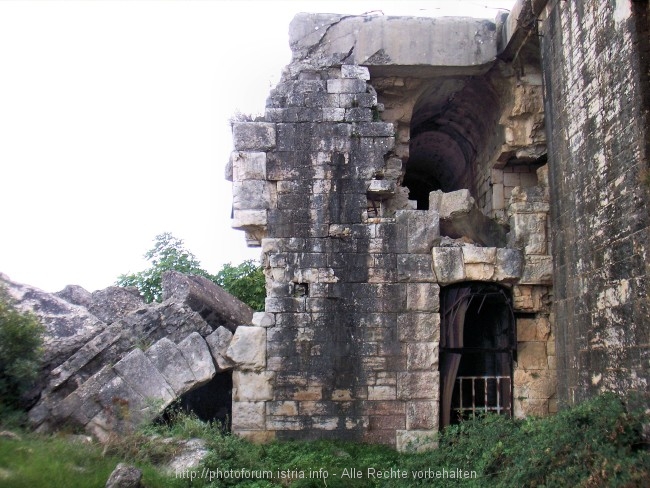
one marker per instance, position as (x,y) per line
(248,348)
(509,265)
(479,262)
(346,85)
(218,343)
(141,375)
(197,353)
(418,230)
(456,202)
(421,356)
(251,195)
(528,232)
(168,359)
(448,264)
(253,136)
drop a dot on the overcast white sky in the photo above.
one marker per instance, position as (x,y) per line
(114,125)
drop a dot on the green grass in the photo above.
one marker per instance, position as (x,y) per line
(598,443)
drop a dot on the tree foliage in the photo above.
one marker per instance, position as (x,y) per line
(245,281)
(168,253)
(21,341)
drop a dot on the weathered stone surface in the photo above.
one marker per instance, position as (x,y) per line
(263,319)
(538,270)
(418,231)
(422,356)
(532,355)
(253,136)
(509,265)
(248,415)
(114,303)
(418,385)
(248,348)
(248,165)
(379,42)
(251,386)
(216,306)
(422,415)
(68,326)
(195,350)
(76,295)
(124,476)
(189,454)
(479,262)
(168,359)
(448,265)
(218,342)
(422,297)
(137,371)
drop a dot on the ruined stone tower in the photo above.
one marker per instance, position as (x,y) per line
(399,188)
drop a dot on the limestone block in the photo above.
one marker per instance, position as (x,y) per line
(422,356)
(538,270)
(528,232)
(509,265)
(416,440)
(382,393)
(167,358)
(197,353)
(248,416)
(479,262)
(251,195)
(381,189)
(422,415)
(535,383)
(422,297)
(244,219)
(414,268)
(333,114)
(456,202)
(253,136)
(248,348)
(435,200)
(533,329)
(529,298)
(346,85)
(532,355)
(418,327)
(248,386)
(527,407)
(141,375)
(263,319)
(282,408)
(448,265)
(354,71)
(218,343)
(248,165)
(418,230)
(418,385)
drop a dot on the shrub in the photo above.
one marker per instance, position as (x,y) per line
(21,341)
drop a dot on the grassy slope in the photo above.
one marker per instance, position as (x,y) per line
(599,443)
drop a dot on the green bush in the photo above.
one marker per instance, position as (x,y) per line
(21,341)
(245,281)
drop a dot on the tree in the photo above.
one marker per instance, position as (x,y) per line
(167,254)
(245,281)
(21,349)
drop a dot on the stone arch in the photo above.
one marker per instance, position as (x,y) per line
(451,127)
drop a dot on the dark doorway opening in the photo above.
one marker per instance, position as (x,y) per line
(211,402)
(477,348)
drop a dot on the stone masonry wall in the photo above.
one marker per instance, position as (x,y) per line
(354,272)
(597,104)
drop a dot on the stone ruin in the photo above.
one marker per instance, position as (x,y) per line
(404,188)
(113,363)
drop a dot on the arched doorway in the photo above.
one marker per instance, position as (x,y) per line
(477,348)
